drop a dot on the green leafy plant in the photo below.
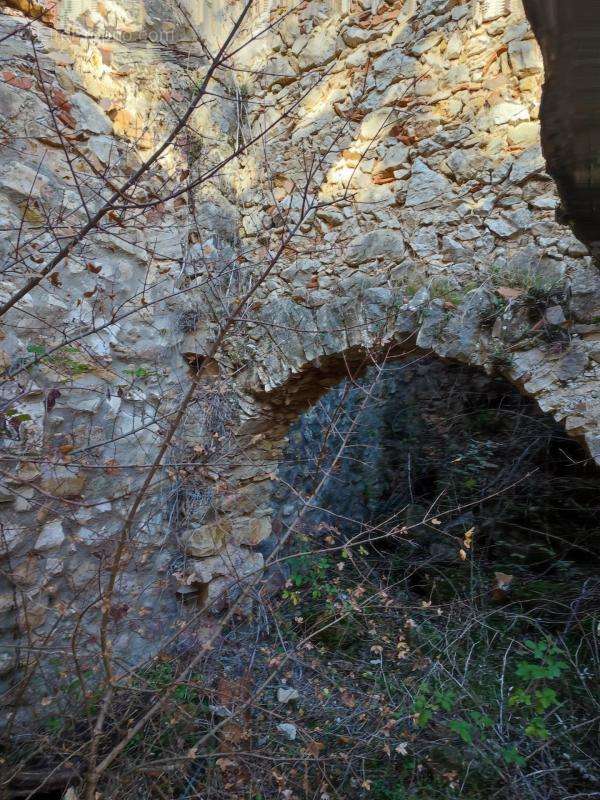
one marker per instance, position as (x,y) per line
(429,701)
(512,756)
(534,695)
(309,573)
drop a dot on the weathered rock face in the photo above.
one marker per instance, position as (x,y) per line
(570,112)
(433,231)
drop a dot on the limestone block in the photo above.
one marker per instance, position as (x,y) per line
(32,614)
(386,244)
(101,150)
(207,540)
(7,603)
(233,562)
(25,113)
(278,70)
(525,134)
(424,242)
(585,295)
(51,537)
(88,114)
(426,44)
(12,100)
(354,36)
(82,572)
(394,66)
(322,45)
(289,29)
(378,124)
(81,400)
(426,185)
(375,197)
(462,334)
(461,10)
(507,112)
(8,661)
(251,531)
(455,46)
(467,233)
(426,87)
(10,541)
(395,157)
(525,57)
(331,216)
(24,181)
(358,57)
(6,495)
(576,425)
(454,250)
(430,329)
(466,165)
(528,164)
(63,482)
(572,364)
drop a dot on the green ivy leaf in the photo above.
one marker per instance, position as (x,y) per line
(445,700)
(481,720)
(512,756)
(530,671)
(537,729)
(464,730)
(555,668)
(545,698)
(520,698)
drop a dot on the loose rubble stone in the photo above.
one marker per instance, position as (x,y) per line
(288,730)
(286,694)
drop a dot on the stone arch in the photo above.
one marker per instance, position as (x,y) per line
(372,327)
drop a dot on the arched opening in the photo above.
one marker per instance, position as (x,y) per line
(436,630)
(416,454)
(435,633)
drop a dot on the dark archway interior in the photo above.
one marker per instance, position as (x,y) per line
(427,452)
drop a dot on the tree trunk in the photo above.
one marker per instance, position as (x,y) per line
(569,36)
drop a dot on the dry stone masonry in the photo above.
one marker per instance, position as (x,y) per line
(414,128)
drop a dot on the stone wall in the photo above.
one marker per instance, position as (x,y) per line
(433,232)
